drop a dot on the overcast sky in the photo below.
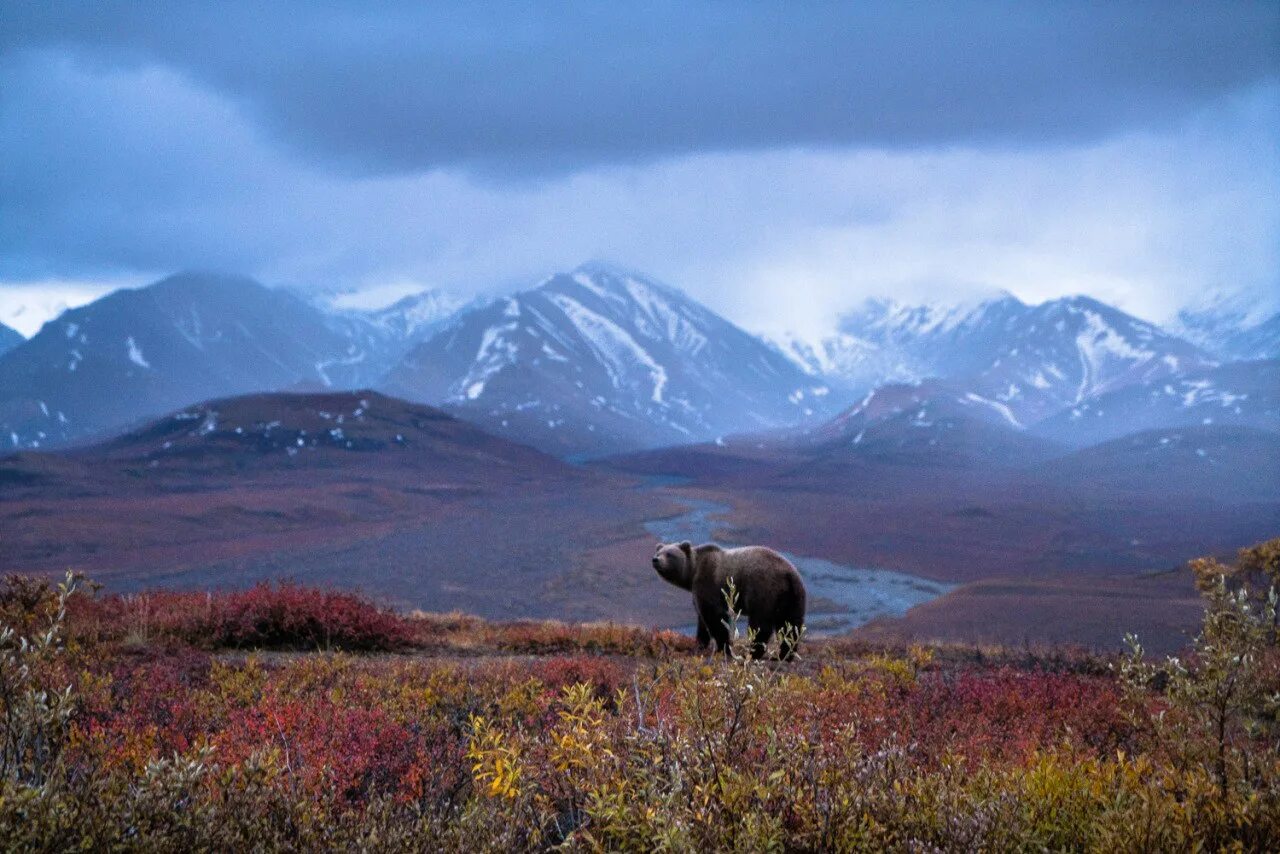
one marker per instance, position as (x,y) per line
(779,161)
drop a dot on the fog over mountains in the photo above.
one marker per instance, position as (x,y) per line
(602,360)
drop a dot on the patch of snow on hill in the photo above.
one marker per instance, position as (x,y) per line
(135,353)
(1001,408)
(496,352)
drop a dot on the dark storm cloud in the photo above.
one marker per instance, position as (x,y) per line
(778,160)
(380,88)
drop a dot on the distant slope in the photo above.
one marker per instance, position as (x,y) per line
(9,338)
(137,353)
(418,316)
(848,361)
(1241,393)
(1257,342)
(929,424)
(602,359)
(378,339)
(1232,462)
(1232,328)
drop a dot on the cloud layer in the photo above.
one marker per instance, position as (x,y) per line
(754,153)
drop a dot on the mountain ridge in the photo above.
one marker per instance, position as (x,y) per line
(601,359)
(1034,360)
(597,360)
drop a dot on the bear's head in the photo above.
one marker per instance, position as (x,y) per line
(674,562)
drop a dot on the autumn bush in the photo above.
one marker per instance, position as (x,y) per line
(174,736)
(280,616)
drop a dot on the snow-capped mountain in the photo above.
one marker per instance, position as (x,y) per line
(9,338)
(1240,394)
(1261,341)
(1231,330)
(603,359)
(846,360)
(418,316)
(1032,361)
(378,339)
(138,353)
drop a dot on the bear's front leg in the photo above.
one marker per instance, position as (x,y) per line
(712,621)
(704,636)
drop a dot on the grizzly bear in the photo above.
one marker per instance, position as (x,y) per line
(769,590)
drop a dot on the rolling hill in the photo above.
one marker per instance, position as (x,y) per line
(338,488)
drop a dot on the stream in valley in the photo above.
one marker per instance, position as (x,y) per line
(840,598)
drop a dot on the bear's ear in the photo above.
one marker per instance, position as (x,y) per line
(687,548)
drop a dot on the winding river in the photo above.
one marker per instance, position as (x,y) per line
(841,597)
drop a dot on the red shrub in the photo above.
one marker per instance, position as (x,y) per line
(266,616)
(347,752)
(300,617)
(1010,713)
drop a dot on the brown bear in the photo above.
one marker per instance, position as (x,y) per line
(770,592)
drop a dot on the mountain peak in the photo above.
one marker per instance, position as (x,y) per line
(136,353)
(201,280)
(600,359)
(602,267)
(612,281)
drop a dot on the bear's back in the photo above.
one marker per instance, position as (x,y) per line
(757,571)
(755,560)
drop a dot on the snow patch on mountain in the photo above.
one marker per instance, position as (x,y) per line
(1001,408)
(617,350)
(497,350)
(135,353)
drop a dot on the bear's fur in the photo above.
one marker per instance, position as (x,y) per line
(770,592)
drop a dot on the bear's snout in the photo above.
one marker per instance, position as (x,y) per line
(655,562)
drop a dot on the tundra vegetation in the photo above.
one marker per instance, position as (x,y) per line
(287,718)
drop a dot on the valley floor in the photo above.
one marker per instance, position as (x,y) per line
(465,522)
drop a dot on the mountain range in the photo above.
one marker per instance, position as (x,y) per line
(190,337)
(602,360)
(1241,394)
(1026,362)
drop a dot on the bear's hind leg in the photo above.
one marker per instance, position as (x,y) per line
(787,646)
